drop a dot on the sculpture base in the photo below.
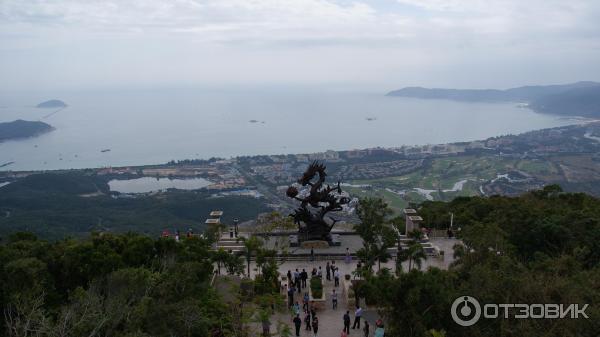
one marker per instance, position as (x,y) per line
(315,244)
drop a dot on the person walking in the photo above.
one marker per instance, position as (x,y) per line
(334,300)
(336,277)
(289,277)
(348,257)
(297,279)
(296,308)
(357,315)
(297,324)
(312,254)
(320,273)
(315,326)
(379,328)
(266,327)
(307,321)
(328,271)
(366,328)
(347,322)
(303,277)
(305,302)
(290,294)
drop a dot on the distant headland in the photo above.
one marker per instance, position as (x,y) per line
(22,129)
(574,99)
(53,103)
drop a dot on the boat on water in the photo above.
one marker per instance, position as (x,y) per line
(105,150)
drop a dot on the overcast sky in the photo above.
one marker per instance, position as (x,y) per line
(378,44)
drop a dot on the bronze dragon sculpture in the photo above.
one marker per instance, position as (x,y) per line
(321,199)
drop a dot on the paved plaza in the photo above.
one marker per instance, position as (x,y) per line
(330,320)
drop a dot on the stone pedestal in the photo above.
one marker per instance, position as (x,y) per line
(314,244)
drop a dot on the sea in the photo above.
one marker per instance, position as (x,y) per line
(102,128)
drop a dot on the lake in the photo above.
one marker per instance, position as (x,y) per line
(149,184)
(156,126)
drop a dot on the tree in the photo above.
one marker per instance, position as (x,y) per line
(220,257)
(251,246)
(375,231)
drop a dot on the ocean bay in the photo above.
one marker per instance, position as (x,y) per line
(140,127)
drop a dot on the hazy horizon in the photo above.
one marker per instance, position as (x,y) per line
(374,46)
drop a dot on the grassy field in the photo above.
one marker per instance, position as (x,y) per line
(443,173)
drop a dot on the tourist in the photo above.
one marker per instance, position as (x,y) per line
(320,273)
(366,329)
(336,277)
(266,327)
(297,309)
(303,277)
(312,254)
(348,258)
(357,315)
(313,273)
(315,325)
(305,302)
(379,330)
(177,236)
(297,279)
(334,299)
(313,313)
(307,321)
(289,277)
(297,324)
(358,269)
(290,294)
(328,271)
(347,321)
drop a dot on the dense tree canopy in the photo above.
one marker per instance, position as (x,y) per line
(541,247)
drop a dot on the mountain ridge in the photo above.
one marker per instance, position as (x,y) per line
(560,99)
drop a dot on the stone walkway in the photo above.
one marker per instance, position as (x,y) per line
(330,320)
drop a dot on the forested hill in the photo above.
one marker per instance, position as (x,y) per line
(22,129)
(541,247)
(56,205)
(575,99)
(583,102)
(520,94)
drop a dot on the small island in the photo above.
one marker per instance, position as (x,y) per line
(22,129)
(52,104)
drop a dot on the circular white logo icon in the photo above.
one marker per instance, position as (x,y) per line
(465,310)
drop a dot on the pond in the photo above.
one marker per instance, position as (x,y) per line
(150,184)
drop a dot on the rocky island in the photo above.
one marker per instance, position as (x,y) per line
(22,129)
(52,104)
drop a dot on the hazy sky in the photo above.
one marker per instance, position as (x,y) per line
(379,44)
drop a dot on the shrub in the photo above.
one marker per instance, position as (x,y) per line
(316,287)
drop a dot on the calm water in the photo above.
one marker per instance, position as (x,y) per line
(149,127)
(148,184)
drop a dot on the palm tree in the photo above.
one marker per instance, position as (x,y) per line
(401,256)
(220,257)
(251,245)
(415,254)
(382,254)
